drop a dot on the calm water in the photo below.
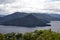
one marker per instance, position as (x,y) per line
(55,26)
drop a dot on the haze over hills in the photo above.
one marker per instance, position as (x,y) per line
(55,15)
(47,17)
(28,19)
(1,17)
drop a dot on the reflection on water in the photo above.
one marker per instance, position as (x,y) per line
(55,26)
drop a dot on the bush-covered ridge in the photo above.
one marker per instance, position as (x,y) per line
(36,35)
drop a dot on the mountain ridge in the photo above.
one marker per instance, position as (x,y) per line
(28,19)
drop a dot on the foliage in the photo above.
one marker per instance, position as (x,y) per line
(36,35)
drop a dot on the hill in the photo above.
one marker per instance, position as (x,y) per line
(13,16)
(28,21)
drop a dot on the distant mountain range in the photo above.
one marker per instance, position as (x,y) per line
(28,19)
(1,17)
(47,17)
(55,15)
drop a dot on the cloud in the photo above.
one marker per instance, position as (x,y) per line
(6,1)
(11,6)
(54,7)
(52,0)
(24,6)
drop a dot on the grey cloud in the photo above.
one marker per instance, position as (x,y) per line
(56,10)
(53,0)
(3,13)
(6,1)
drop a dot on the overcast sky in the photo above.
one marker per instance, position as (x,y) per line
(44,6)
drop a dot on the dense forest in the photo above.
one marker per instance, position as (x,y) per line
(36,35)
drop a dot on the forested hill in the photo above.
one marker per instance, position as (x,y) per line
(25,19)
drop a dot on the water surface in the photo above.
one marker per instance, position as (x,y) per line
(55,26)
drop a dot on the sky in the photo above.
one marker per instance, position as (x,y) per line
(42,6)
